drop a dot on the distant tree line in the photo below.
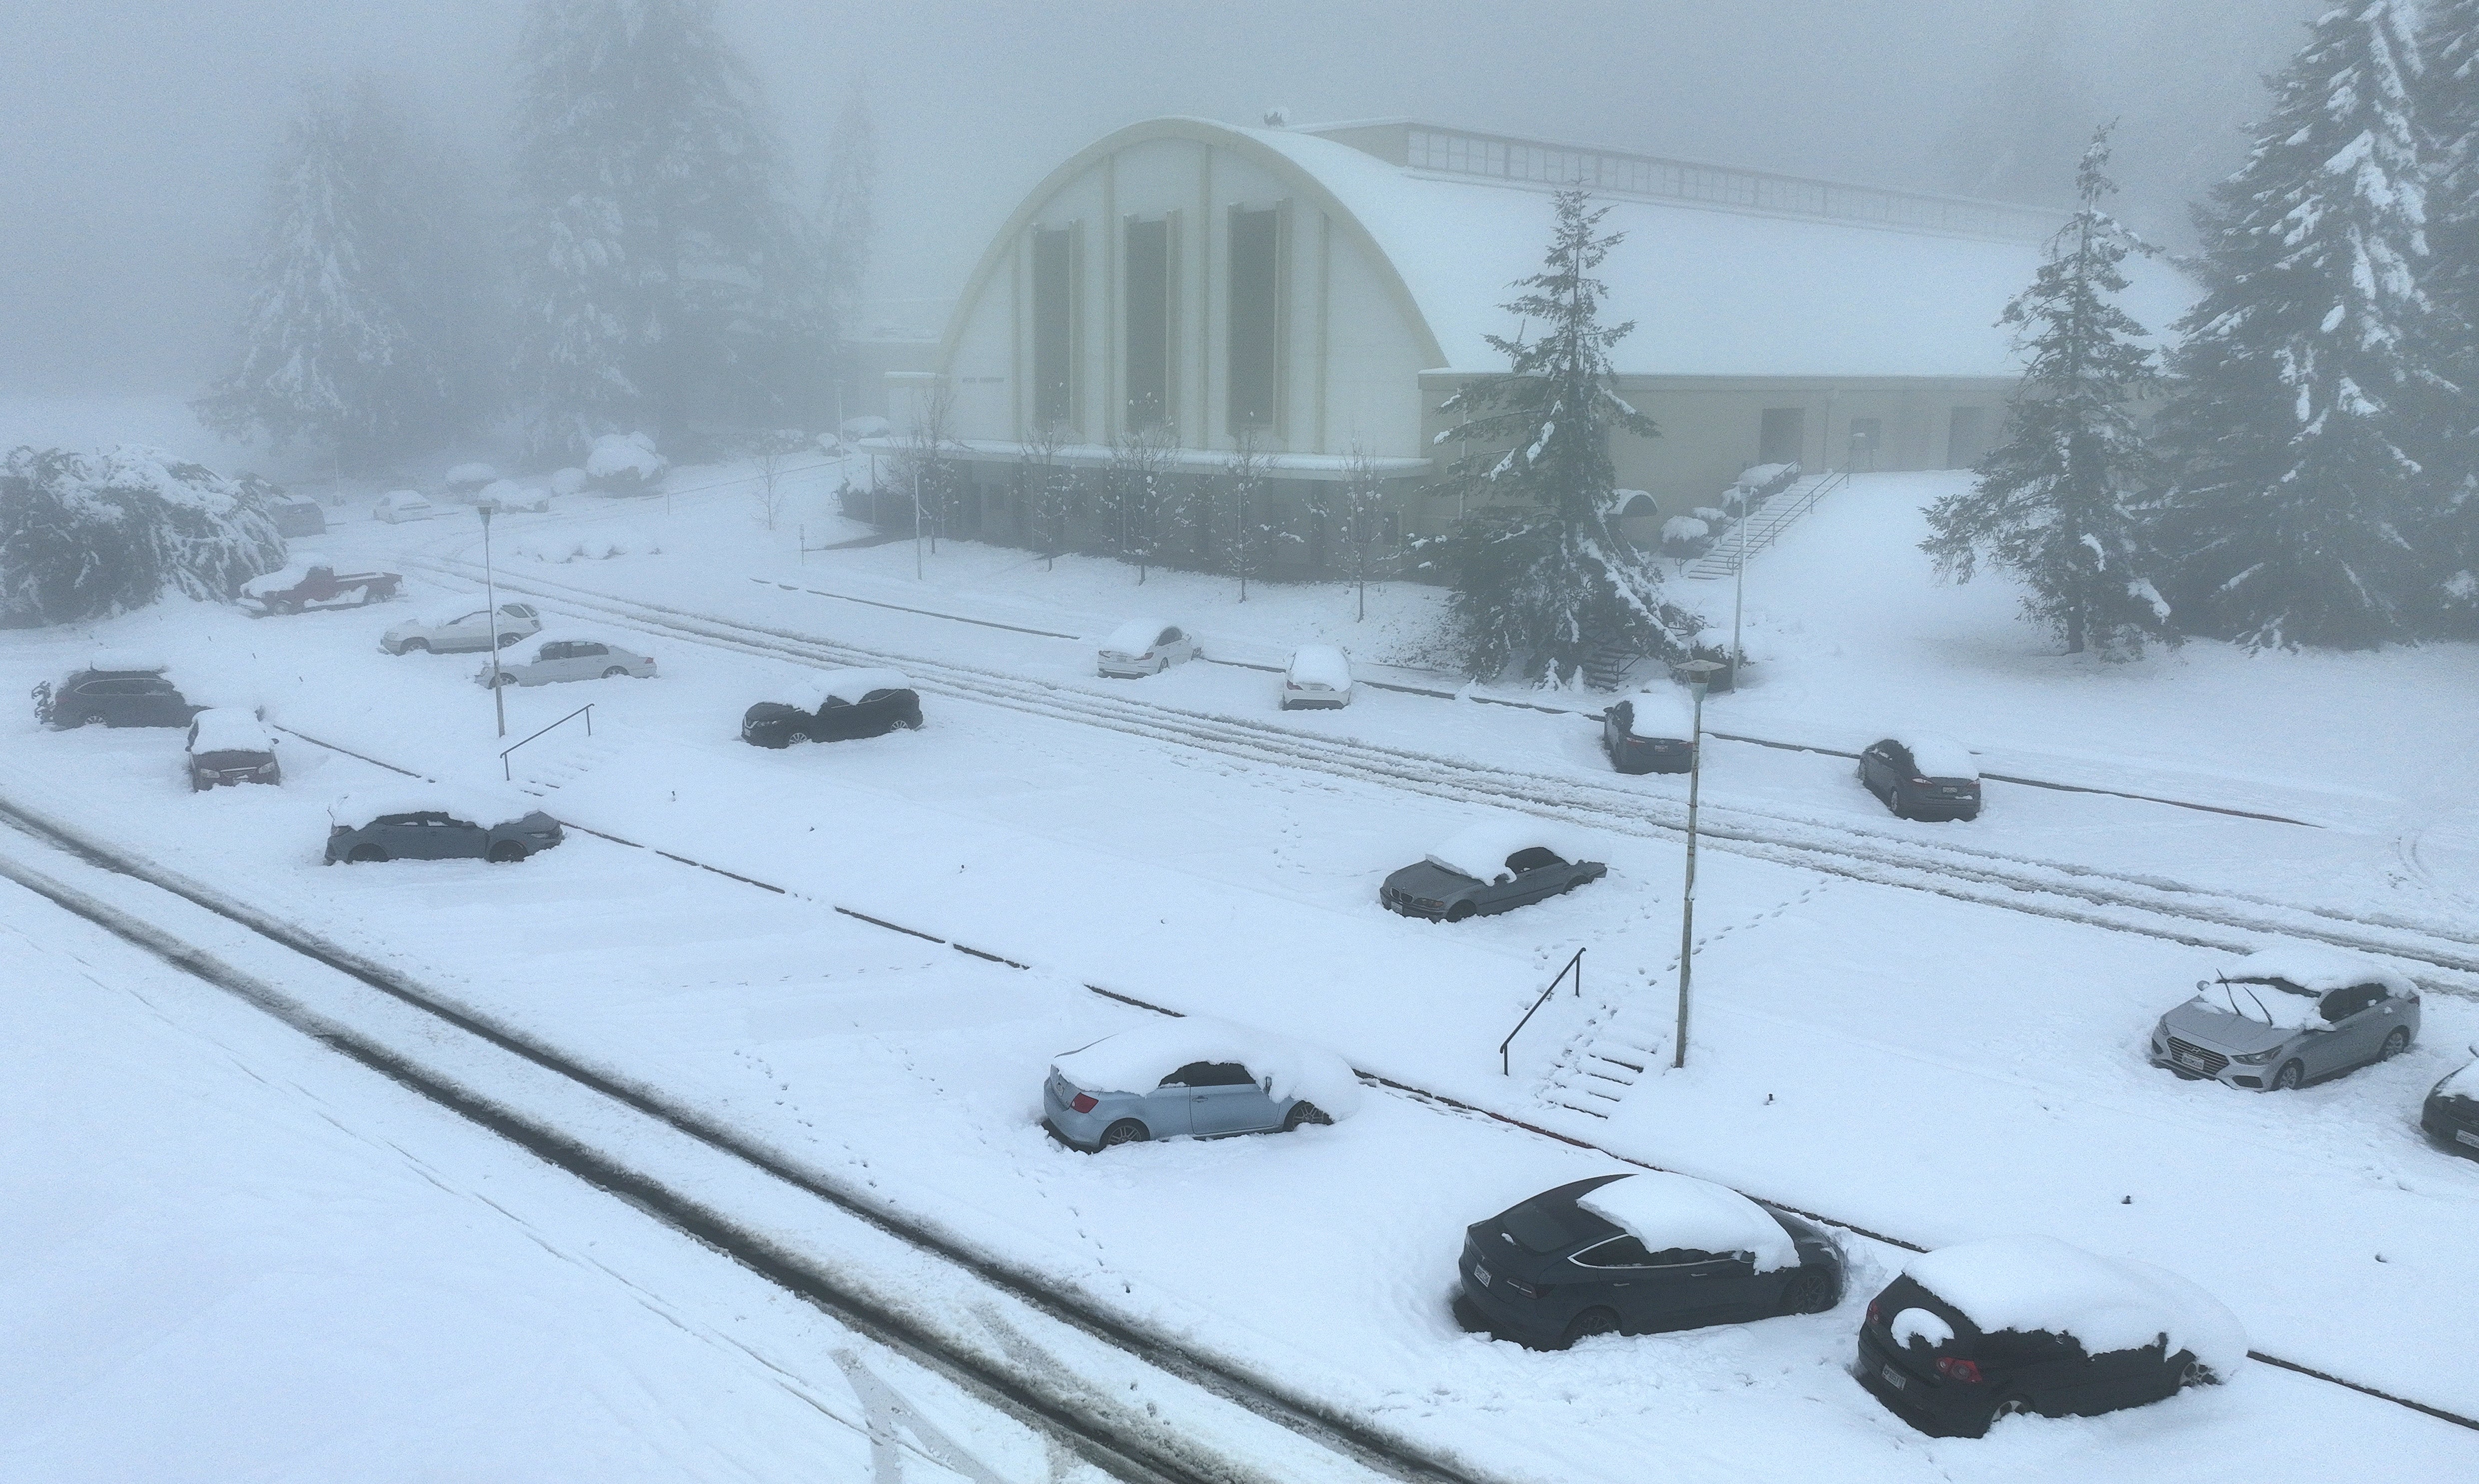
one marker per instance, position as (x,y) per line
(2312,477)
(649,265)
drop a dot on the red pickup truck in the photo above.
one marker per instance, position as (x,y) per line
(296,588)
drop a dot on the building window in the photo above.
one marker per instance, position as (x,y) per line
(1867,441)
(1148,356)
(1780,434)
(1256,317)
(1054,326)
(1966,437)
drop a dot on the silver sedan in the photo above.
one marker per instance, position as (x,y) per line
(544,661)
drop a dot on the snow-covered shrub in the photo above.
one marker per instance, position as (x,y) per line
(624,464)
(569,481)
(87,535)
(466,478)
(1684,536)
(864,427)
(1712,516)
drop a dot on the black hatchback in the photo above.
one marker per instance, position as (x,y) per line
(1922,776)
(1548,1272)
(115,693)
(2451,1113)
(851,703)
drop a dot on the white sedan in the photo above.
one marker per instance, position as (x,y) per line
(403,505)
(1319,676)
(567,657)
(466,632)
(1141,647)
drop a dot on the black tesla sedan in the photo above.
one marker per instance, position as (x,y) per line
(1921,775)
(1639,1253)
(851,703)
(1986,1329)
(1652,731)
(2451,1113)
(1489,868)
(116,692)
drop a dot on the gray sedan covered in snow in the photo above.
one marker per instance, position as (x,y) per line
(2286,1017)
(1192,1077)
(1488,868)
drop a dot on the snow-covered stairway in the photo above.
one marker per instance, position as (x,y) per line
(553,762)
(1766,524)
(1608,666)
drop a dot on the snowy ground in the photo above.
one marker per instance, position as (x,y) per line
(1930,1068)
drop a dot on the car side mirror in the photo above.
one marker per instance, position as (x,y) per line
(2203,986)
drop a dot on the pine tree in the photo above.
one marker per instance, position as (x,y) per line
(361,324)
(2056,504)
(2303,385)
(845,218)
(2448,100)
(87,535)
(664,274)
(1540,576)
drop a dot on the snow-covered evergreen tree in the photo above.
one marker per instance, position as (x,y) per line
(2305,386)
(1540,576)
(89,535)
(844,217)
(664,274)
(2057,504)
(2448,99)
(360,326)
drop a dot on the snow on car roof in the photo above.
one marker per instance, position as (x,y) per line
(1323,663)
(1136,636)
(1480,850)
(1663,1210)
(403,497)
(124,662)
(1663,711)
(290,575)
(2039,1283)
(1137,1060)
(473,806)
(2461,1084)
(229,730)
(2316,967)
(2261,1003)
(535,642)
(1938,755)
(849,687)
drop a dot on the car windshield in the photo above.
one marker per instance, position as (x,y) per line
(2262,999)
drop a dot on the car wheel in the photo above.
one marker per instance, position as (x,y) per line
(500,678)
(415,647)
(1811,1291)
(1305,1112)
(1893,802)
(1590,1322)
(1459,911)
(2397,1042)
(2287,1079)
(2010,1406)
(365,855)
(615,672)
(2196,1373)
(507,853)
(507,639)
(1967,818)
(1127,1131)
(199,786)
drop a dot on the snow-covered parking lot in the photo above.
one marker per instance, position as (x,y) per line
(1930,1068)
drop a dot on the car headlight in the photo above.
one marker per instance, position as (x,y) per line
(2256,1058)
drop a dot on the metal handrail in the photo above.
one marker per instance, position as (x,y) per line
(1575,966)
(509,773)
(1833,479)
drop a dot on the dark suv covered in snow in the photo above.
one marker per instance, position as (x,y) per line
(116,692)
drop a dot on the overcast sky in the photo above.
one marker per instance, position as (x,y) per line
(137,132)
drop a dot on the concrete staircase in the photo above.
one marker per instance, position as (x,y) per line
(1609,665)
(1592,1080)
(1766,523)
(555,761)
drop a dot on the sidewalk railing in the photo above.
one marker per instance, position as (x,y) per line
(1575,966)
(508,772)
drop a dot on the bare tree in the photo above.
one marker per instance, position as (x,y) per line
(1046,492)
(1244,490)
(930,466)
(1363,509)
(774,452)
(1137,487)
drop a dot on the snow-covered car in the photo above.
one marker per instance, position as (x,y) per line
(1142,647)
(2284,1016)
(501,495)
(297,516)
(228,745)
(117,690)
(432,822)
(1922,774)
(309,585)
(2450,1115)
(848,703)
(1639,1253)
(462,480)
(545,659)
(1971,1333)
(1192,1077)
(399,505)
(1489,867)
(464,633)
(1650,731)
(1319,675)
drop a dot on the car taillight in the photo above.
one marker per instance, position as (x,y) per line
(1957,1369)
(1083,1102)
(1920,783)
(1873,1316)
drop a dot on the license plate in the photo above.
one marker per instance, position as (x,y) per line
(1480,1274)
(2190,1059)
(1893,1378)
(2466,1137)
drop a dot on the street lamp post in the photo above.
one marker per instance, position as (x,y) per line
(1700,674)
(491,596)
(1739,584)
(917,521)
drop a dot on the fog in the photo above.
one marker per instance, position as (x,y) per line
(137,131)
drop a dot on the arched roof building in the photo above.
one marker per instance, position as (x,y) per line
(1323,289)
